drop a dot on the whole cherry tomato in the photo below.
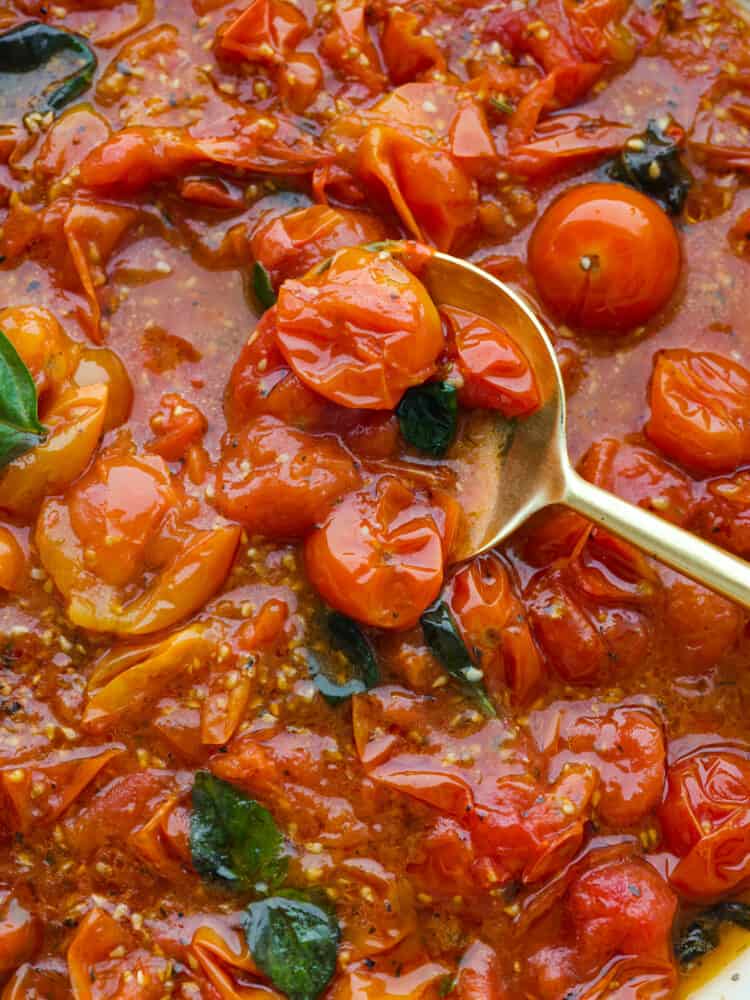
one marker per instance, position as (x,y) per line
(359,331)
(700,410)
(604,257)
(379,554)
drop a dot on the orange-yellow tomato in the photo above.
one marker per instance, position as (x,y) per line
(281,482)
(605,257)
(12,560)
(124,550)
(379,554)
(360,331)
(46,351)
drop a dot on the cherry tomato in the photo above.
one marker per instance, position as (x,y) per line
(704,626)
(479,975)
(700,410)
(281,482)
(705,819)
(625,908)
(262,383)
(494,627)
(637,474)
(495,372)
(624,744)
(290,244)
(604,257)
(379,554)
(360,331)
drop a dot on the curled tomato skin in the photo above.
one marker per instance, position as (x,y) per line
(705,819)
(290,244)
(605,257)
(379,554)
(495,372)
(281,482)
(359,332)
(700,410)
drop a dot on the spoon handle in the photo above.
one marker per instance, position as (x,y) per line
(683,551)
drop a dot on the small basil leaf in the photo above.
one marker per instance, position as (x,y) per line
(702,935)
(651,164)
(502,104)
(427,415)
(233,838)
(294,942)
(444,639)
(262,286)
(348,666)
(31,46)
(20,430)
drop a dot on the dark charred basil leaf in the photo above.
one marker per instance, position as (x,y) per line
(262,286)
(702,935)
(20,430)
(427,415)
(234,839)
(33,46)
(651,164)
(442,636)
(346,663)
(294,941)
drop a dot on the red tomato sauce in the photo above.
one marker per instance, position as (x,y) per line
(213,219)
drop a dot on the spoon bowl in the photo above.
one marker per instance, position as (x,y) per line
(508,470)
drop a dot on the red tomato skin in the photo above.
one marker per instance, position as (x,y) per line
(496,373)
(700,411)
(493,624)
(360,331)
(640,476)
(624,908)
(281,498)
(262,383)
(479,975)
(378,556)
(290,244)
(705,820)
(605,257)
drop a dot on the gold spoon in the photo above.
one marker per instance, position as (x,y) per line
(507,472)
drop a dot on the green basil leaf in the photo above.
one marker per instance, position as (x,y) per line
(500,103)
(427,415)
(444,639)
(348,665)
(651,164)
(702,935)
(294,942)
(31,46)
(20,430)
(233,838)
(262,286)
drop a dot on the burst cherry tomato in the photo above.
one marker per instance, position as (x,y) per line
(705,819)
(605,257)
(496,374)
(360,331)
(700,410)
(278,481)
(378,556)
